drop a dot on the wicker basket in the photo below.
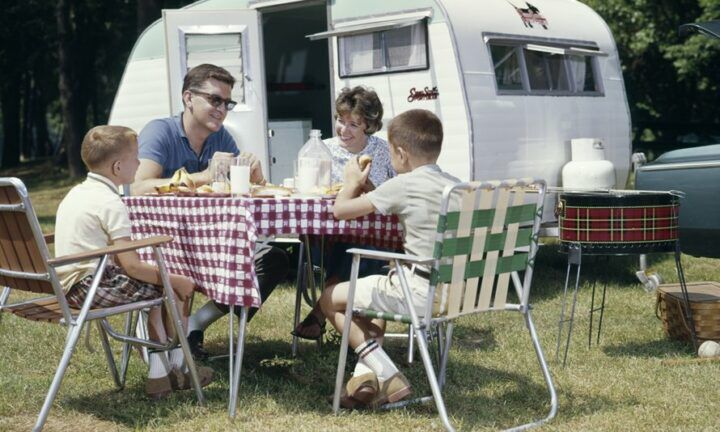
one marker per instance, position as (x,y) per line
(705,306)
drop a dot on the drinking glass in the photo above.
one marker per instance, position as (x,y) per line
(240,176)
(220,169)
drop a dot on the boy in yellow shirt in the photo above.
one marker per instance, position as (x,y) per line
(91,216)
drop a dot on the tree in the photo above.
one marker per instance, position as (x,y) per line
(672,82)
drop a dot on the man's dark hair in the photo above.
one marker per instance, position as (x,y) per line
(197,76)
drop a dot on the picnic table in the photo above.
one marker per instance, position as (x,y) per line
(214,242)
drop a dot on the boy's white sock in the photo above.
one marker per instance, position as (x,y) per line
(159,366)
(206,315)
(177,359)
(361,368)
(372,354)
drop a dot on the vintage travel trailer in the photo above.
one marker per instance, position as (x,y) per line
(513,81)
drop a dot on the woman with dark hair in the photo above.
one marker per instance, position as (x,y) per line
(358,115)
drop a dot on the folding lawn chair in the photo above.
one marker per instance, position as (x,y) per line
(25,265)
(478,251)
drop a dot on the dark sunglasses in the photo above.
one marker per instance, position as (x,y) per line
(216,100)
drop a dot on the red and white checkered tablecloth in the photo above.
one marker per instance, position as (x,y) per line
(214,238)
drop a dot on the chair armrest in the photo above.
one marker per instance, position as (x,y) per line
(390,256)
(49,238)
(110,250)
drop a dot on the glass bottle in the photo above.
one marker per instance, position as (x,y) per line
(314,166)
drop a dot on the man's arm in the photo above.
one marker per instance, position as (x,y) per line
(147,177)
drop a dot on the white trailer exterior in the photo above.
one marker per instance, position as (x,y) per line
(513,82)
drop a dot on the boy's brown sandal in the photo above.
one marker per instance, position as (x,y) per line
(183,381)
(158,388)
(394,389)
(358,392)
(362,388)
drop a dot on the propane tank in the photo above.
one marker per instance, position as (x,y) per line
(588,168)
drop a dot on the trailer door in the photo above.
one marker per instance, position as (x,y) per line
(230,39)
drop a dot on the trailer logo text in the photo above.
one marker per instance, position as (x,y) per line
(531,15)
(425,94)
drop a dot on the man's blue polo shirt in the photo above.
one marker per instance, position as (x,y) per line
(164,141)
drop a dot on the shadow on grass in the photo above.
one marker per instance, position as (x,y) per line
(659,348)
(476,396)
(46,220)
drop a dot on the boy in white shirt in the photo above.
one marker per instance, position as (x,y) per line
(92,216)
(415,140)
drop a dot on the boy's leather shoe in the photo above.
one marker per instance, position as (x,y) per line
(394,389)
(158,388)
(183,381)
(362,388)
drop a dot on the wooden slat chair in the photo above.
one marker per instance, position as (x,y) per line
(479,250)
(25,265)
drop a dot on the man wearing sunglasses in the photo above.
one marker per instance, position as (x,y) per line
(190,140)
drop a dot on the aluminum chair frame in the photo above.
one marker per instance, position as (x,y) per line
(449,273)
(35,272)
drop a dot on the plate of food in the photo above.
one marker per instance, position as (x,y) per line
(180,183)
(270,191)
(208,191)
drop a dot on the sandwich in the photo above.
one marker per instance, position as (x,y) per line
(363,161)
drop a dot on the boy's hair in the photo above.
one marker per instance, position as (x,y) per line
(418,131)
(103,143)
(363,103)
(197,76)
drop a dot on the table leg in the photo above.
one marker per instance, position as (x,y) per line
(574,258)
(311,274)
(298,298)
(235,373)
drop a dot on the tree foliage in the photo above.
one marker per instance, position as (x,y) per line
(60,64)
(672,81)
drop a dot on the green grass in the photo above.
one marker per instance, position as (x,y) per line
(493,382)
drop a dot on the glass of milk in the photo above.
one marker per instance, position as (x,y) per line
(240,176)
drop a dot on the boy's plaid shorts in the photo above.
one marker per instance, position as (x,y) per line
(116,288)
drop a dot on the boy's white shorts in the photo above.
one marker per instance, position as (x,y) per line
(384,293)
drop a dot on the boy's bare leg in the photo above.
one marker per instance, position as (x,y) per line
(155,325)
(333,302)
(183,309)
(158,384)
(376,380)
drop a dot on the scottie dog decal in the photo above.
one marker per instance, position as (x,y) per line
(530,15)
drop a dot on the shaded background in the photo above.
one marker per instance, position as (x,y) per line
(61,62)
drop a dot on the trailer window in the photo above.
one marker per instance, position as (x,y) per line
(531,68)
(507,67)
(546,71)
(385,51)
(582,72)
(224,50)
